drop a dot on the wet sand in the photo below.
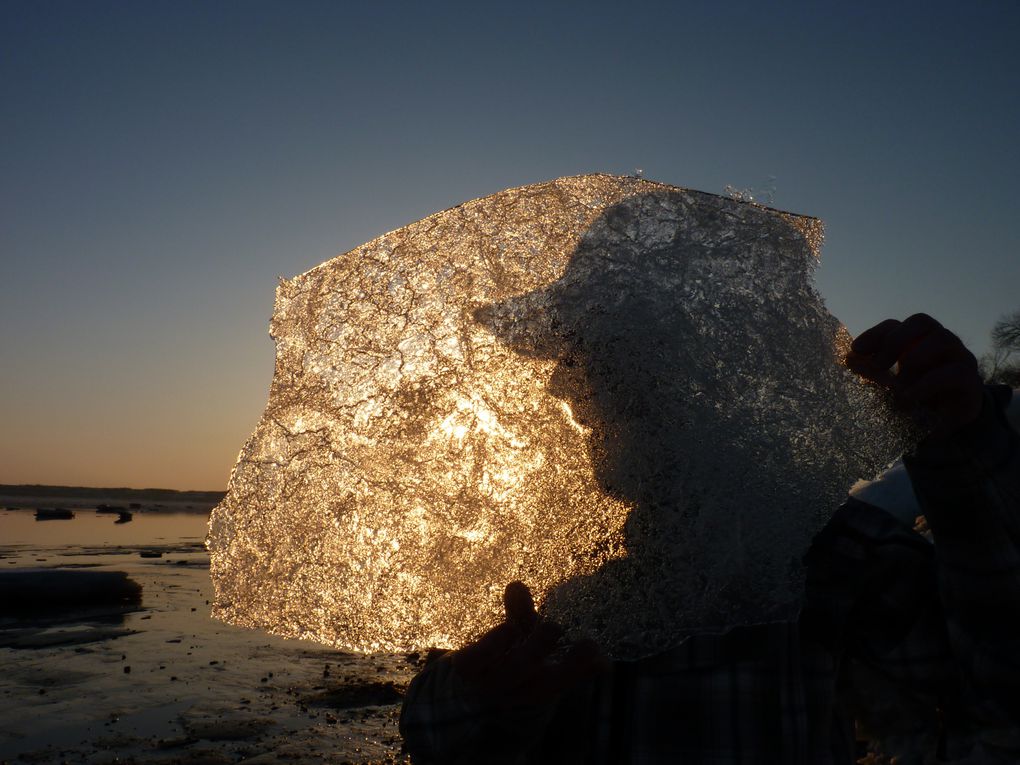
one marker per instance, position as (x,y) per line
(167,684)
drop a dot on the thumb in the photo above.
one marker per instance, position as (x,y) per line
(520,606)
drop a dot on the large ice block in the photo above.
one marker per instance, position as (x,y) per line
(626,394)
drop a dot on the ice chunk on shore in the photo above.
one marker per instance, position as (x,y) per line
(625,394)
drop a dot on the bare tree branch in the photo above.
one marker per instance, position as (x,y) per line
(1006,333)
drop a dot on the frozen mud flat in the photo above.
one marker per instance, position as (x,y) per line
(168,684)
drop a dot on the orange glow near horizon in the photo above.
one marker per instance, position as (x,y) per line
(133,436)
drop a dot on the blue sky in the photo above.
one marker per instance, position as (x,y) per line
(162,163)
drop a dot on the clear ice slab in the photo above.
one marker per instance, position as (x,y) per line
(628,395)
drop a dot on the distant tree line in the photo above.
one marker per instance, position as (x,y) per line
(122,494)
(1002,363)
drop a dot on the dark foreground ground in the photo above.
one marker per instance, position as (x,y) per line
(158,681)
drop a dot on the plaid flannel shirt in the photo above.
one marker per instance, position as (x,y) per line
(906,639)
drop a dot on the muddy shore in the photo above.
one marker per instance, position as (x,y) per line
(162,682)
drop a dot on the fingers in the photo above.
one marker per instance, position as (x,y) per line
(541,642)
(943,381)
(938,347)
(520,606)
(475,658)
(952,391)
(875,351)
(583,660)
(865,367)
(898,340)
(870,340)
(522,660)
(934,369)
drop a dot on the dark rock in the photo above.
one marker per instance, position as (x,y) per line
(40,592)
(352,696)
(115,509)
(53,514)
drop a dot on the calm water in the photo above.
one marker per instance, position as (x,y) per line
(19,528)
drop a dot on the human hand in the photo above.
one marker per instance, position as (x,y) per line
(521,662)
(934,370)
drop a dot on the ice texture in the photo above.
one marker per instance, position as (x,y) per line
(626,394)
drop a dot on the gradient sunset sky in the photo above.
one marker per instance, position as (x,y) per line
(162,163)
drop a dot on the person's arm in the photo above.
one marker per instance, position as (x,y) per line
(968,486)
(871,601)
(966,475)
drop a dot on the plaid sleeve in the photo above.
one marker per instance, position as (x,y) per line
(969,490)
(930,653)
(750,696)
(871,599)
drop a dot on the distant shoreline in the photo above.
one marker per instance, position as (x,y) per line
(147,500)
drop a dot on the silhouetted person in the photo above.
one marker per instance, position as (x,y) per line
(914,639)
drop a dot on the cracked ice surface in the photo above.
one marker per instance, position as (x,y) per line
(623,393)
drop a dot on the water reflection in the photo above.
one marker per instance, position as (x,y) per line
(19,528)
